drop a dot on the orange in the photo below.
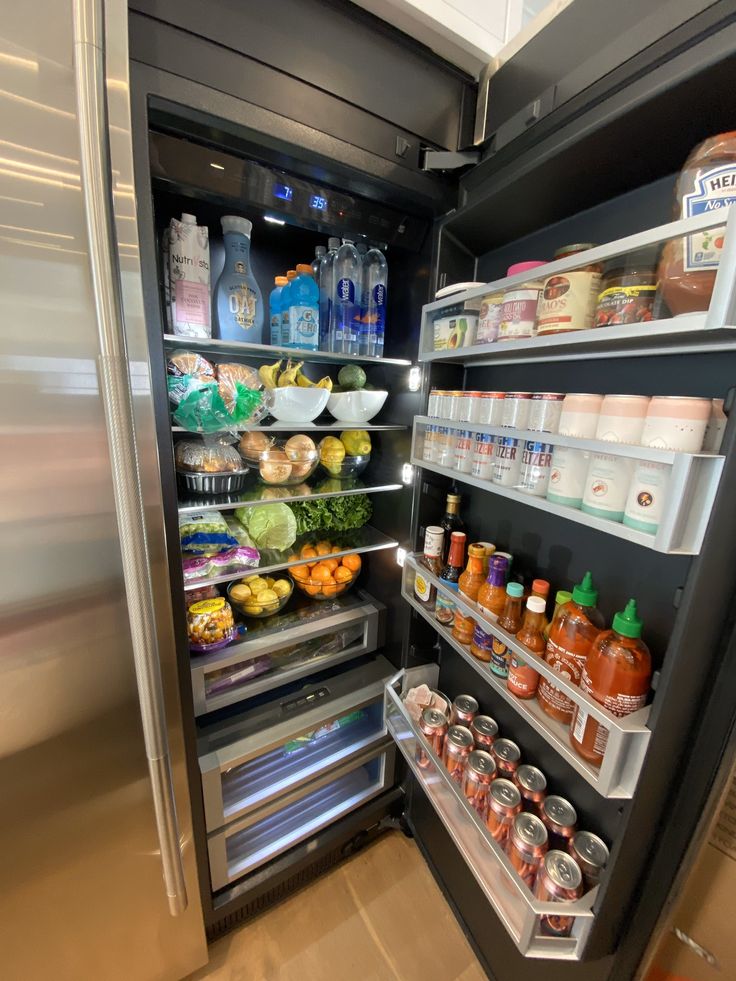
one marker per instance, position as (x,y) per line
(323,548)
(300,572)
(342,574)
(313,589)
(331,564)
(308,552)
(321,573)
(341,588)
(352,562)
(330,587)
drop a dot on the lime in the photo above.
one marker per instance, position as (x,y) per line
(351,377)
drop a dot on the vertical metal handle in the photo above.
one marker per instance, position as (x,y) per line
(115,390)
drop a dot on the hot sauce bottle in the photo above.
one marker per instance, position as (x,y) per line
(562,596)
(523,679)
(577,625)
(469,585)
(444,609)
(617,673)
(491,599)
(510,620)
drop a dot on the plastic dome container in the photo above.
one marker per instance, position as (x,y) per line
(210,625)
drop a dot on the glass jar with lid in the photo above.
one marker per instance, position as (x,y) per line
(567,300)
(628,289)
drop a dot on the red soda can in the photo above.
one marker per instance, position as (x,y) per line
(561,821)
(532,785)
(507,756)
(591,854)
(464,710)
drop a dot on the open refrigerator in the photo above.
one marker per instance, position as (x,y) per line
(280,788)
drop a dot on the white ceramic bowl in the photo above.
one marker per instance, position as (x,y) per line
(355,406)
(294,404)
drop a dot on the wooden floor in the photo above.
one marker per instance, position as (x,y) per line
(377,917)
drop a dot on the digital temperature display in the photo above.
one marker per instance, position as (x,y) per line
(283,191)
(317,202)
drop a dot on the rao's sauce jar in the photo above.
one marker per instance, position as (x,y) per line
(567,300)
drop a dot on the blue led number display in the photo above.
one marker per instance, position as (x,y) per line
(283,191)
(320,203)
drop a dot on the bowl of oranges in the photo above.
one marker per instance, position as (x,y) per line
(321,577)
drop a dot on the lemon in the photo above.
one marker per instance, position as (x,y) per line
(253,608)
(357,442)
(331,453)
(258,586)
(281,587)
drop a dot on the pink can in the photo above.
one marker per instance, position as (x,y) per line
(579,415)
(621,418)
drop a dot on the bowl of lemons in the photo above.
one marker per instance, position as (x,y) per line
(346,456)
(259,596)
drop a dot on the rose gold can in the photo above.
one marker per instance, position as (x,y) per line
(526,846)
(532,785)
(456,750)
(507,756)
(561,820)
(591,854)
(464,710)
(480,770)
(433,726)
(484,730)
(559,880)
(504,803)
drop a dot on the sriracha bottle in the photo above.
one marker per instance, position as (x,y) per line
(523,679)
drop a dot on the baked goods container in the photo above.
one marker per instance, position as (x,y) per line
(229,482)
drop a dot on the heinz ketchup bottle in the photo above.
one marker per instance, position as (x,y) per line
(617,673)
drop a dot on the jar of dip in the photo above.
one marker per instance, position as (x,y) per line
(545,411)
(567,300)
(489,319)
(516,409)
(628,289)
(519,312)
(491,408)
(568,469)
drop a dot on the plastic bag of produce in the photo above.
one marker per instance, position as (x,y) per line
(200,407)
(231,562)
(205,533)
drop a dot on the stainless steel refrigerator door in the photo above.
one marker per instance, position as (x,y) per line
(81,850)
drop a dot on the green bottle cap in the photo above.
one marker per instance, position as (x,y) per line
(585,592)
(627,623)
(515,589)
(562,596)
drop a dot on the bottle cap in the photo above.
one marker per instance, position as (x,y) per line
(477,550)
(453,498)
(541,586)
(458,535)
(304,269)
(319,250)
(515,589)
(626,622)
(562,596)
(585,592)
(188,220)
(291,274)
(536,604)
(333,243)
(234,223)
(347,241)
(281,280)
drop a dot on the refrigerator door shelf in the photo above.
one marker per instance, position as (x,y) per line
(711,331)
(269,751)
(245,845)
(365,539)
(691,488)
(628,738)
(519,911)
(223,678)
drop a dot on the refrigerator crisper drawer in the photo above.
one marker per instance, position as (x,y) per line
(520,912)
(248,844)
(281,746)
(268,659)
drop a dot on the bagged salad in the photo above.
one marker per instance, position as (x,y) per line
(205,533)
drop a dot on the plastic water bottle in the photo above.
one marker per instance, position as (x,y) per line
(285,309)
(304,309)
(326,291)
(319,253)
(274,309)
(345,324)
(238,300)
(373,303)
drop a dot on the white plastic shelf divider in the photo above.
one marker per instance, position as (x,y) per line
(628,737)
(713,331)
(691,492)
(516,906)
(267,352)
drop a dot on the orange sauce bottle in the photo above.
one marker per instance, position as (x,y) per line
(617,673)
(492,600)
(523,679)
(469,585)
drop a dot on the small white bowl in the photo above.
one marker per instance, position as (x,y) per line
(355,406)
(295,404)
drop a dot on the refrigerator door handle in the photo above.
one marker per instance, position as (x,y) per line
(115,391)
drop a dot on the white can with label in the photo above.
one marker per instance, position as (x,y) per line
(715,428)
(483,446)
(444,453)
(607,485)
(429,445)
(443,404)
(622,418)
(545,411)
(470,407)
(454,402)
(568,471)
(579,416)
(464,451)
(516,409)
(676,423)
(536,464)
(433,403)
(647,496)
(506,461)
(491,408)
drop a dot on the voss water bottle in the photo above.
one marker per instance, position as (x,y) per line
(373,303)
(346,300)
(326,291)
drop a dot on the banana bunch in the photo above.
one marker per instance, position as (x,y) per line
(273,376)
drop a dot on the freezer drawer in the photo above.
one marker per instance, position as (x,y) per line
(285,653)
(245,845)
(283,745)
(520,912)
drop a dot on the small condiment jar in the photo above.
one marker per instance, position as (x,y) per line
(433,726)
(464,710)
(627,290)
(591,854)
(484,730)
(526,846)
(532,785)
(456,750)
(507,756)
(561,820)
(480,771)
(567,300)
(559,880)
(504,803)
(519,311)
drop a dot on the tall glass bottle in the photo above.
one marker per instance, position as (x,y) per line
(451,521)
(491,599)
(510,620)
(469,583)
(424,591)
(444,609)
(523,679)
